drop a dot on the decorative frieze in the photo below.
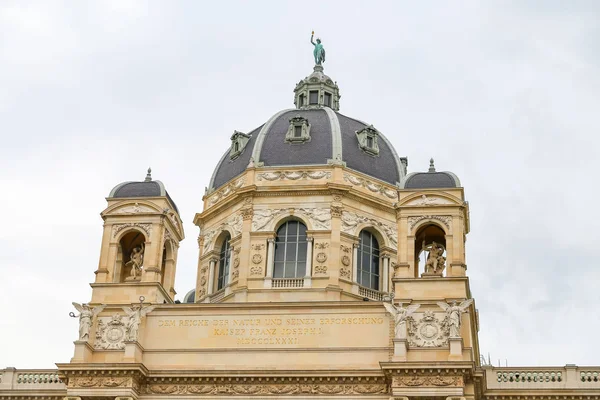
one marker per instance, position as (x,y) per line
(435,380)
(234,223)
(351,220)
(320,218)
(293,175)
(445,219)
(116,228)
(229,389)
(372,186)
(226,191)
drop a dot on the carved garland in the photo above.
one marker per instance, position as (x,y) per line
(320,218)
(234,223)
(116,228)
(226,191)
(293,175)
(351,220)
(373,187)
(445,219)
(266,389)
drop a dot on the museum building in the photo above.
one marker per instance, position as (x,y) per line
(325,270)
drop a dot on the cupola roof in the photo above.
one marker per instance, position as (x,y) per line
(145,188)
(430,179)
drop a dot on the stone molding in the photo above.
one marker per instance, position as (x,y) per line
(350,221)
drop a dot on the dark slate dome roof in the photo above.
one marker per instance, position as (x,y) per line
(333,137)
(146,188)
(431,179)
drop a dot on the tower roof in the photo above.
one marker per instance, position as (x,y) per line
(145,188)
(430,179)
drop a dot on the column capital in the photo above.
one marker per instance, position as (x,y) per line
(270,240)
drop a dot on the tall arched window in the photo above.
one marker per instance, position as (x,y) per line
(290,250)
(224,262)
(368,261)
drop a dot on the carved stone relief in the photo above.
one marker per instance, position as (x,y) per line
(293,175)
(134,209)
(257,258)
(428,201)
(111,333)
(435,380)
(116,228)
(321,257)
(226,191)
(320,269)
(351,220)
(321,245)
(445,219)
(427,331)
(234,223)
(256,270)
(266,389)
(373,187)
(320,218)
(97,381)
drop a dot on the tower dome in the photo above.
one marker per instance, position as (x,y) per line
(312,133)
(145,188)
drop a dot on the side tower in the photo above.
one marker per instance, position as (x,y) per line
(138,256)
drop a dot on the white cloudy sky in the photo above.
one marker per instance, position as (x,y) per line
(505,94)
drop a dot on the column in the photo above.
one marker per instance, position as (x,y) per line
(309,257)
(211,275)
(270,261)
(230,266)
(355,262)
(385,275)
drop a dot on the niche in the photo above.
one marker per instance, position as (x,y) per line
(131,256)
(430,250)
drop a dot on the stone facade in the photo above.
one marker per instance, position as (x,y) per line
(322,333)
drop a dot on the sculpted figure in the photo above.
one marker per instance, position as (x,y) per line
(319,51)
(400,314)
(436,262)
(135,314)
(136,260)
(86,317)
(453,314)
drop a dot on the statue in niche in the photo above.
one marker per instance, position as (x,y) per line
(453,314)
(400,314)
(319,51)
(135,314)
(86,317)
(136,259)
(436,262)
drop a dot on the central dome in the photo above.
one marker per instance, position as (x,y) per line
(314,133)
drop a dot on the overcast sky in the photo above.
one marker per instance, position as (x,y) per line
(505,94)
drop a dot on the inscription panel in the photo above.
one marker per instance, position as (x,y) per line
(267,331)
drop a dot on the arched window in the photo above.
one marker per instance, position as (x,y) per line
(224,263)
(290,250)
(368,261)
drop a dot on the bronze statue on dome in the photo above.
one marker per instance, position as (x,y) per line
(319,51)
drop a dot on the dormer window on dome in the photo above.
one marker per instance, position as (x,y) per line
(238,143)
(298,131)
(367,140)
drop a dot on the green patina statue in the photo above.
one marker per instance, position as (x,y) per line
(319,51)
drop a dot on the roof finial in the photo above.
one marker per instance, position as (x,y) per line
(431,165)
(148,175)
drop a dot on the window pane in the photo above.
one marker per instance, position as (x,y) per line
(297,131)
(279,252)
(301,252)
(313,97)
(327,99)
(302,231)
(290,269)
(365,279)
(290,254)
(278,270)
(366,264)
(301,269)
